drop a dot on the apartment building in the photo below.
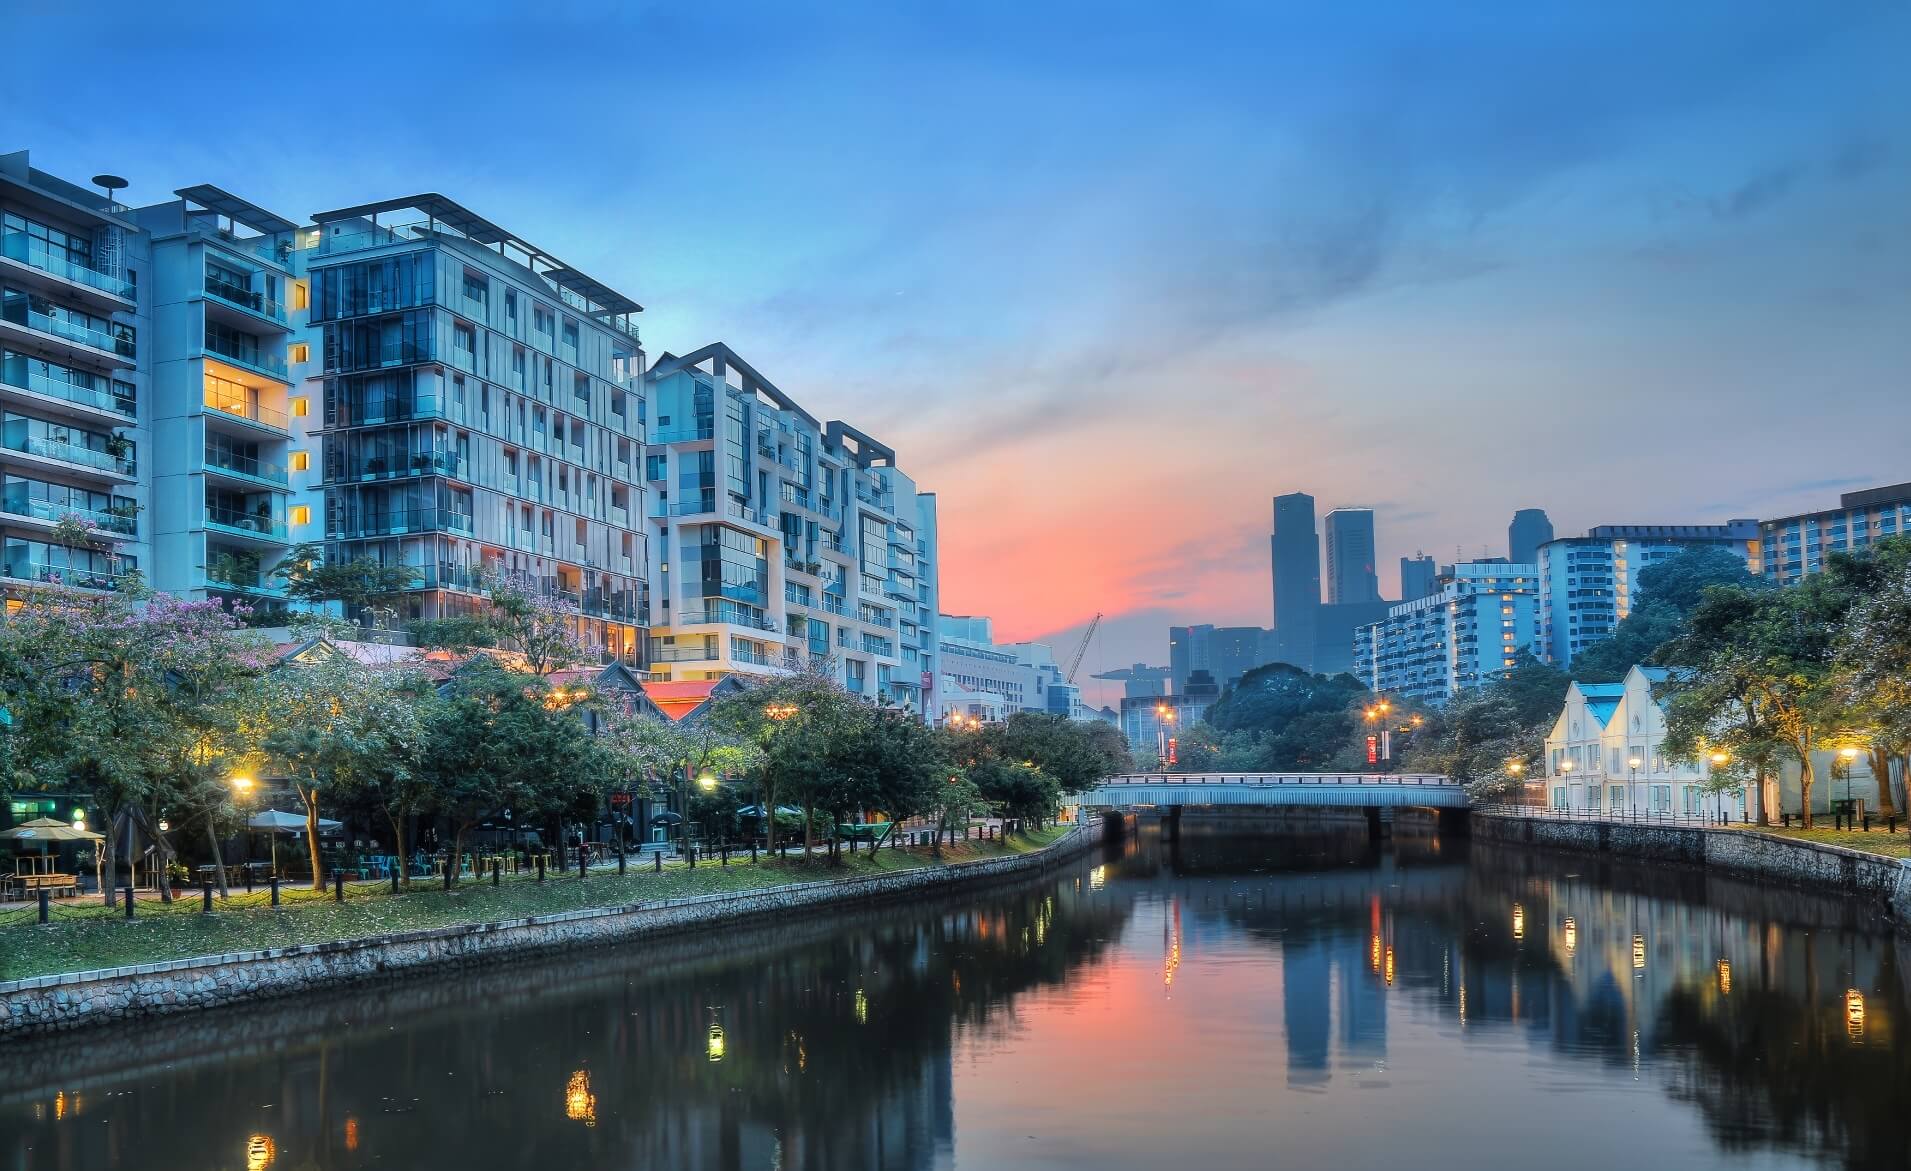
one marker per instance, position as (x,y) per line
(1587,584)
(75,351)
(781,538)
(1467,632)
(1796,546)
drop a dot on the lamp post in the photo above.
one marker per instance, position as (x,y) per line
(1632,799)
(1164,722)
(1719,760)
(1513,770)
(1846,755)
(1566,771)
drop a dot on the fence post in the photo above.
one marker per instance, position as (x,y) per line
(275,890)
(657,862)
(129,900)
(338,886)
(394,879)
(46,903)
(205,889)
(692,852)
(620,861)
(540,868)
(583,862)
(497,872)
(447,874)
(1867,823)
(726,853)
(248,880)
(753,851)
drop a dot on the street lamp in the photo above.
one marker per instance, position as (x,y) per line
(1632,799)
(1164,720)
(1719,759)
(1846,755)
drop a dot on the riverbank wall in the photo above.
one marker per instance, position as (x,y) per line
(47,1004)
(1882,883)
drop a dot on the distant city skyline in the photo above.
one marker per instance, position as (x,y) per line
(1587,258)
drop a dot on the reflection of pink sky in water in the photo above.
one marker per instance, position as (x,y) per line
(1172,1049)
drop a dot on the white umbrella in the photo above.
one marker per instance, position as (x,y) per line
(278,822)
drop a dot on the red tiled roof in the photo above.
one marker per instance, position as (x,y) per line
(679,699)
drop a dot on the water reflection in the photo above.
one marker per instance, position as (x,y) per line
(1315,996)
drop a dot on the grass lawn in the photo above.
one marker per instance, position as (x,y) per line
(82,938)
(1896,845)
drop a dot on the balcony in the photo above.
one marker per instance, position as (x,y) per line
(246,466)
(685,434)
(271,365)
(92,343)
(417,463)
(35,254)
(753,658)
(249,411)
(249,300)
(257,586)
(76,454)
(372,412)
(401,521)
(724,613)
(41,573)
(18,376)
(235,522)
(682,654)
(18,503)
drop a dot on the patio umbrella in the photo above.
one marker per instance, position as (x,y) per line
(667,818)
(756,811)
(277,822)
(45,829)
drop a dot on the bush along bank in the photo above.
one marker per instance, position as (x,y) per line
(70,1000)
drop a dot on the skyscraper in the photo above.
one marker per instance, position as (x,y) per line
(1530,529)
(1416,576)
(1350,556)
(1296,553)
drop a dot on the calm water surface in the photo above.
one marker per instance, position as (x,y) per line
(1300,1001)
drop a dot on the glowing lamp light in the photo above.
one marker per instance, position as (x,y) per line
(1633,762)
(260,1152)
(862,1007)
(707,781)
(1572,935)
(1720,759)
(1854,1013)
(580,1104)
(1389,966)
(1519,921)
(1373,953)
(242,783)
(1639,952)
(713,1046)
(1848,754)
(1725,977)
(164,825)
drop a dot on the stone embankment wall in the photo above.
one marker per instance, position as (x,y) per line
(1884,883)
(49,1003)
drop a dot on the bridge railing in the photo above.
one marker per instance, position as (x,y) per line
(1619,817)
(1264,779)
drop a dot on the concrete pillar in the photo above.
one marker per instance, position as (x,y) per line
(1375,828)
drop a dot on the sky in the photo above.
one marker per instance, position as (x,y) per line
(1109,276)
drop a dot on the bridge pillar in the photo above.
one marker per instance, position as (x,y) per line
(1377,827)
(1453,823)
(1173,823)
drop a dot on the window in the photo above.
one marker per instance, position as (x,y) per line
(301,407)
(511,306)
(542,320)
(476,288)
(301,460)
(300,352)
(570,334)
(300,514)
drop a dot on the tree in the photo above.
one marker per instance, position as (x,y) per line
(358,585)
(784,732)
(1076,754)
(1873,678)
(1015,789)
(1668,591)
(539,625)
(1480,736)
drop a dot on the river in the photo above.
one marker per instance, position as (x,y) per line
(1295,1000)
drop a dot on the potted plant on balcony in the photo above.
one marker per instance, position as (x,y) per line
(118,446)
(375,466)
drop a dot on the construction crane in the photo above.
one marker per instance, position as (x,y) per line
(1088,636)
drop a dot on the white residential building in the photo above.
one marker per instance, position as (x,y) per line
(1796,546)
(1587,585)
(1469,630)
(782,538)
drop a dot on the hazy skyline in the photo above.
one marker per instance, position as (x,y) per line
(1110,277)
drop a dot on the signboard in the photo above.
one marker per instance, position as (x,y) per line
(1373,750)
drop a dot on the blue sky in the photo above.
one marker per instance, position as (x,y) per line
(1109,276)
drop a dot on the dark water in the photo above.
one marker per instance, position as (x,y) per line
(1293,1002)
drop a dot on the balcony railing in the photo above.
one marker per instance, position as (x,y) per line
(271,365)
(417,463)
(398,410)
(400,521)
(233,520)
(65,575)
(682,654)
(250,411)
(684,434)
(74,453)
(722,612)
(258,584)
(85,396)
(754,658)
(20,314)
(36,254)
(246,465)
(241,297)
(20,504)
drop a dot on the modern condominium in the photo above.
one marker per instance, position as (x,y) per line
(1587,585)
(783,538)
(1466,633)
(1796,546)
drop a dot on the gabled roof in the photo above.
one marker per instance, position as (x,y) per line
(688,699)
(1600,690)
(670,363)
(1602,709)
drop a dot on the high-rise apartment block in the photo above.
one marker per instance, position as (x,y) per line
(782,538)
(196,387)
(1350,557)
(1417,574)
(1466,633)
(1587,585)
(1796,546)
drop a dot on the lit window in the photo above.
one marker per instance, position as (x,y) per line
(301,292)
(301,460)
(301,352)
(301,514)
(301,407)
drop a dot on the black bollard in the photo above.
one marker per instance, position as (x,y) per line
(129,900)
(852,845)
(726,853)
(691,853)
(1891,824)
(753,851)
(447,875)
(497,872)
(657,858)
(583,862)
(275,890)
(1867,823)
(540,868)
(46,903)
(205,892)
(338,886)
(620,863)
(248,880)
(394,880)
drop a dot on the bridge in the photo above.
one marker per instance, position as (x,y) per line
(1332,790)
